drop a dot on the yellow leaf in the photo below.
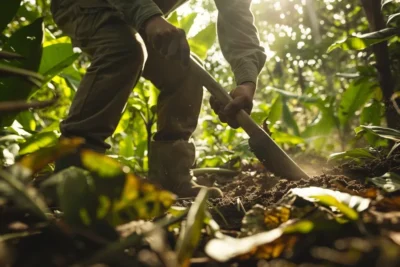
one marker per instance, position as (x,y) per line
(101,164)
(39,159)
(276,216)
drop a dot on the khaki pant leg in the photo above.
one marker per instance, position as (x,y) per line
(180,99)
(116,64)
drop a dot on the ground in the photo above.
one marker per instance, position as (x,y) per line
(254,185)
(253,190)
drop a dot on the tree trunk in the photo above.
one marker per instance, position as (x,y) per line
(372,9)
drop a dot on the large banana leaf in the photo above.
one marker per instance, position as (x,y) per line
(27,42)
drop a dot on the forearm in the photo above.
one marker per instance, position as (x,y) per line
(239,39)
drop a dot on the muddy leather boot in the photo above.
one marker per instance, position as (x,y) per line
(170,163)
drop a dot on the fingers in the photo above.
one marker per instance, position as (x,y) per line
(228,113)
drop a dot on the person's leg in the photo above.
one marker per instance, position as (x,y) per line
(116,64)
(178,108)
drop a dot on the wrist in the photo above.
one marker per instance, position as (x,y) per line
(150,20)
(249,85)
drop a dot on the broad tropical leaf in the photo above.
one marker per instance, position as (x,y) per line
(56,57)
(36,161)
(187,22)
(354,98)
(38,141)
(202,41)
(289,120)
(27,42)
(275,113)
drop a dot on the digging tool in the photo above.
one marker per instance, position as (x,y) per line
(261,144)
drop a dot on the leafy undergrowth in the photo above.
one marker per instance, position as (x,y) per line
(262,220)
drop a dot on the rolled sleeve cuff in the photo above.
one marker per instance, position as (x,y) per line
(246,72)
(147,11)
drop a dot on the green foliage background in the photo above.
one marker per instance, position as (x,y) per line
(311,99)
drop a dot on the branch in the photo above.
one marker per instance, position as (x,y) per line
(14,106)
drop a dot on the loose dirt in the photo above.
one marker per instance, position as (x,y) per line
(255,185)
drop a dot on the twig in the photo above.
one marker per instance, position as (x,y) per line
(9,55)
(13,106)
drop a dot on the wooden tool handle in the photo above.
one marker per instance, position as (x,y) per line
(244,119)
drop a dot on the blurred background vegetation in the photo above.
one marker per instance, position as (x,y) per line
(319,82)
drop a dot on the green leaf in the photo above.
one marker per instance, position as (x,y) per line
(372,115)
(303,226)
(40,158)
(108,202)
(8,9)
(320,129)
(385,2)
(347,204)
(27,42)
(358,153)
(27,120)
(26,11)
(276,110)
(137,199)
(393,18)
(153,98)
(354,98)
(285,138)
(126,147)
(173,19)
(190,237)
(384,132)
(289,95)
(203,41)
(390,182)
(56,58)
(74,190)
(101,164)
(187,22)
(38,141)
(333,202)
(289,120)
(365,40)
